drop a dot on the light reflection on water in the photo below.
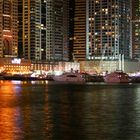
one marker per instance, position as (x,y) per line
(43,110)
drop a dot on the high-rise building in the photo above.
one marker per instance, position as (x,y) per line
(136,29)
(20,29)
(71,27)
(44,29)
(102,29)
(57,30)
(79,39)
(8,28)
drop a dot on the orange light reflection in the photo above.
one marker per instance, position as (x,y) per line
(8,126)
(6,87)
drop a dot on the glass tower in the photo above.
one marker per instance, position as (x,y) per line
(8,28)
(107,30)
(57,30)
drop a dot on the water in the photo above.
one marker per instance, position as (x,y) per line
(51,111)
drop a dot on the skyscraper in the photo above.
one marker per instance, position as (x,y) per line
(44,29)
(136,29)
(20,29)
(79,42)
(57,30)
(106,28)
(8,28)
(71,27)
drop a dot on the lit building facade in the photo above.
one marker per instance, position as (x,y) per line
(106,28)
(20,29)
(136,29)
(15,66)
(79,39)
(8,28)
(45,29)
(57,30)
(71,27)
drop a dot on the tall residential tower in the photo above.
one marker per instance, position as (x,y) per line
(105,24)
(44,29)
(79,39)
(8,28)
(136,29)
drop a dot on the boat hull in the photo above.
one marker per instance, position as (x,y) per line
(69,78)
(116,77)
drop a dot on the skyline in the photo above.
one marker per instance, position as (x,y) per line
(54,30)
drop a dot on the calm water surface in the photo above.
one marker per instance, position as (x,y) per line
(52,111)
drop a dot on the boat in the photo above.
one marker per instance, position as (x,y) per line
(117,77)
(69,77)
